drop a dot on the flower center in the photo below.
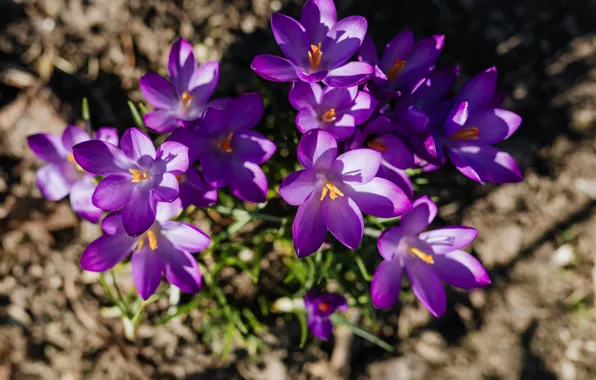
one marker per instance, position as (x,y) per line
(70,158)
(333,191)
(226,145)
(467,133)
(137,175)
(179,178)
(397,67)
(323,307)
(329,116)
(149,235)
(314,56)
(422,256)
(187,100)
(377,145)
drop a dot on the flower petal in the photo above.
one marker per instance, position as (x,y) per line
(363,108)
(456,118)
(107,134)
(181,269)
(185,237)
(195,190)
(447,239)
(494,125)
(358,166)
(386,284)
(420,61)
(48,147)
(298,186)
(52,182)
(389,242)
(147,266)
(344,220)
(397,49)
(380,197)
(246,111)
(397,153)
(248,182)
(112,223)
(181,65)
(485,164)
(398,177)
(73,135)
(113,192)
(317,149)
(423,212)
(216,171)
(136,145)
(338,98)
(139,213)
(252,146)
(348,75)
(308,230)
(318,17)
(204,81)
(426,285)
(307,119)
(291,38)
(274,68)
(80,199)
(161,121)
(174,155)
(368,51)
(158,91)
(479,90)
(167,188)
(193,140)
(460,269)
(320,327)
(216,122)
(164,211)
(343,41)
(107,251)
(305,95)
(102,158)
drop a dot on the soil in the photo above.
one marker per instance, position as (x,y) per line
(537,238)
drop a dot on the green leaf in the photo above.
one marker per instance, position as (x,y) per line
(357,330)
(136,116)
(362,268)
(303,329)
(85,110)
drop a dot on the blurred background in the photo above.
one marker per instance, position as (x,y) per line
(537,238)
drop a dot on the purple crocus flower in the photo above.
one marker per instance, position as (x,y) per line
(62,176)
(137,177)
(332,192)
(185,96)
(427,258)
(320,306)
(316,48)
(229,150)
(473,125)
(403,62)
(335,110)
(165,247)
(194,190)
(396,155)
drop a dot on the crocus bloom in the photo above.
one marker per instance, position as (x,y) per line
(165,247)
(194,190)
(229,150)
(320,306)
(332,192)
(335,110)
(316,48)
(62,176)
(137,176)
(427,258)
(396,155)
(185,96)
(403,62)
(473,125)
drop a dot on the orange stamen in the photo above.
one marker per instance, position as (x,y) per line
(187,99)
(137,175)
(226,145)
(70,158)
(314,56)
(377,145)
(323,307)
(422,256)
(179,178)
(467,133)
(329,116)
(149,235)
(333,191)
(397,67)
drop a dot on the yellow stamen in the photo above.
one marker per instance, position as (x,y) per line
(70,158)
(314,56)
(397,67)
(149,235)
(226,145)
(137,175)
(467,133)
(329,116)
(187,99)
(333,191)
(377,145)
(422,256)
(323,307)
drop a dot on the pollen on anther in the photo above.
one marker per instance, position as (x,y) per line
(315,55)
(329,116)
(397,67)
(137,175)
(422,256)
(466,133)
(377,145)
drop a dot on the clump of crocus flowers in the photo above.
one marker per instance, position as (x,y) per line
(364,124)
